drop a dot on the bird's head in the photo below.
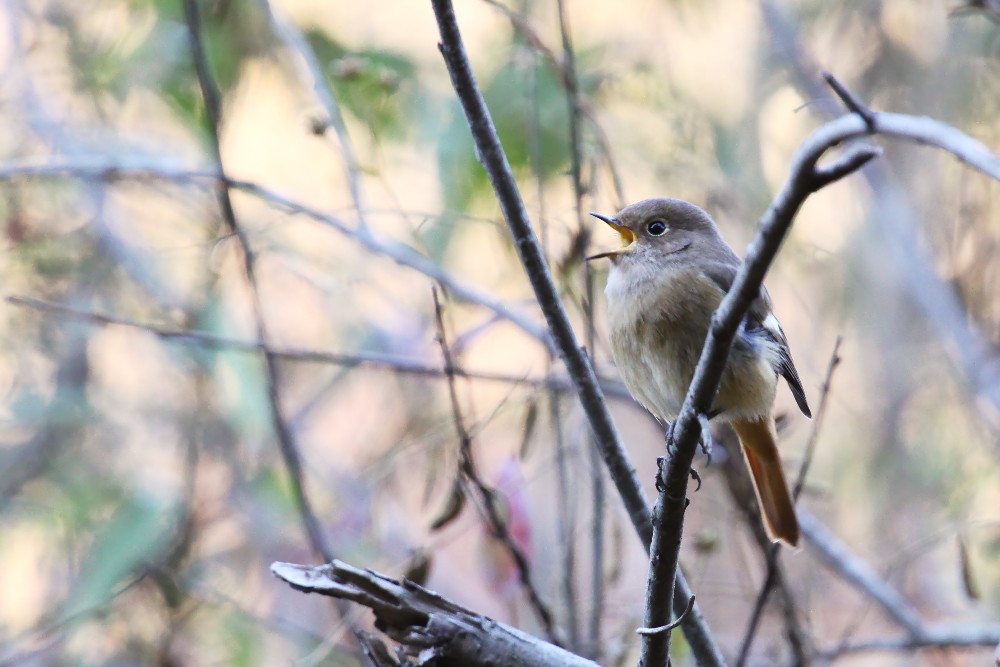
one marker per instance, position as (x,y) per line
(655,230)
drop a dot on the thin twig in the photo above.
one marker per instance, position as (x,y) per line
(850,101)
(668,626)
(493,159)
(380,360)
(488,497)
(773,551)
(859,573)
(286,440)
(573,100)
(806,178)
(310,70)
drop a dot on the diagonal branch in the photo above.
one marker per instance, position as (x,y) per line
(289,451)
(806,177)
(494,161)
(110,169)
(668,515)
(430,628)
(488,496)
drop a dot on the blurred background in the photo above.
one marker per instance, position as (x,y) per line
(145,481)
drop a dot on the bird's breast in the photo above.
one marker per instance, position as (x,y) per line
(658,327)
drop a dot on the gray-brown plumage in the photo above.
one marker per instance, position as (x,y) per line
(666,280)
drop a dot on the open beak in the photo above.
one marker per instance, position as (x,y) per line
(628,237)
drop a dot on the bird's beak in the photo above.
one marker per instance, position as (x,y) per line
(628,237)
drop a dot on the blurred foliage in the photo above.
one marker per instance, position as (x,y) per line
(527,128)
(375,86)
(141,488)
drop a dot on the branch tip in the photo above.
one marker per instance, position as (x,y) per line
(850,101)
(669,626)
(852,160)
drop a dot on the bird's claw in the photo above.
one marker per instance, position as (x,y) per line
(669,439)
(696,477)
(706,439)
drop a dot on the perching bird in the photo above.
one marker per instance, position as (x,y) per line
(666,280)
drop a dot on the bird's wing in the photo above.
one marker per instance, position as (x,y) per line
(761,317)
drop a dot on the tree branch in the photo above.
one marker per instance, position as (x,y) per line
(380,360)
(487,496)
(806,177)
(403,255)
(432,629)
(494,161)
(775,577)
(286,440)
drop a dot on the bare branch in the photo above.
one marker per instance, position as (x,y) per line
(773,550)
(107,169)
(806,177)
(381,360)
(857,572)
(286,440)
(430,627)
(487,496)
(494,161)
(852,103)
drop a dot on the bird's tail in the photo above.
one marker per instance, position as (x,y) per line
(757,438)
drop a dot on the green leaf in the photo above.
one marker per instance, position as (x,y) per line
(135,534)
(377,87)
(529,108)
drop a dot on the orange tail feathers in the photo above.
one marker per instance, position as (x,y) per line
(757,438)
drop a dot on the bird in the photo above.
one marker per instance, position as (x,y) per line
(666,280)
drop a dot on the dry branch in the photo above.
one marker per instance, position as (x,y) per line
(379,360)
(430,628)
(491,155)
(806,177)
(212,98)
(111,169)
(668,516)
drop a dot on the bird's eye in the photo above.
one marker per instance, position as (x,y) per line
(656,228)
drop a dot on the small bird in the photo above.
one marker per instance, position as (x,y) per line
(666,280)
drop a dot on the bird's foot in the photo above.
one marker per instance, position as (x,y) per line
(661,483)
(696,477)
(668,438)
(706,439)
